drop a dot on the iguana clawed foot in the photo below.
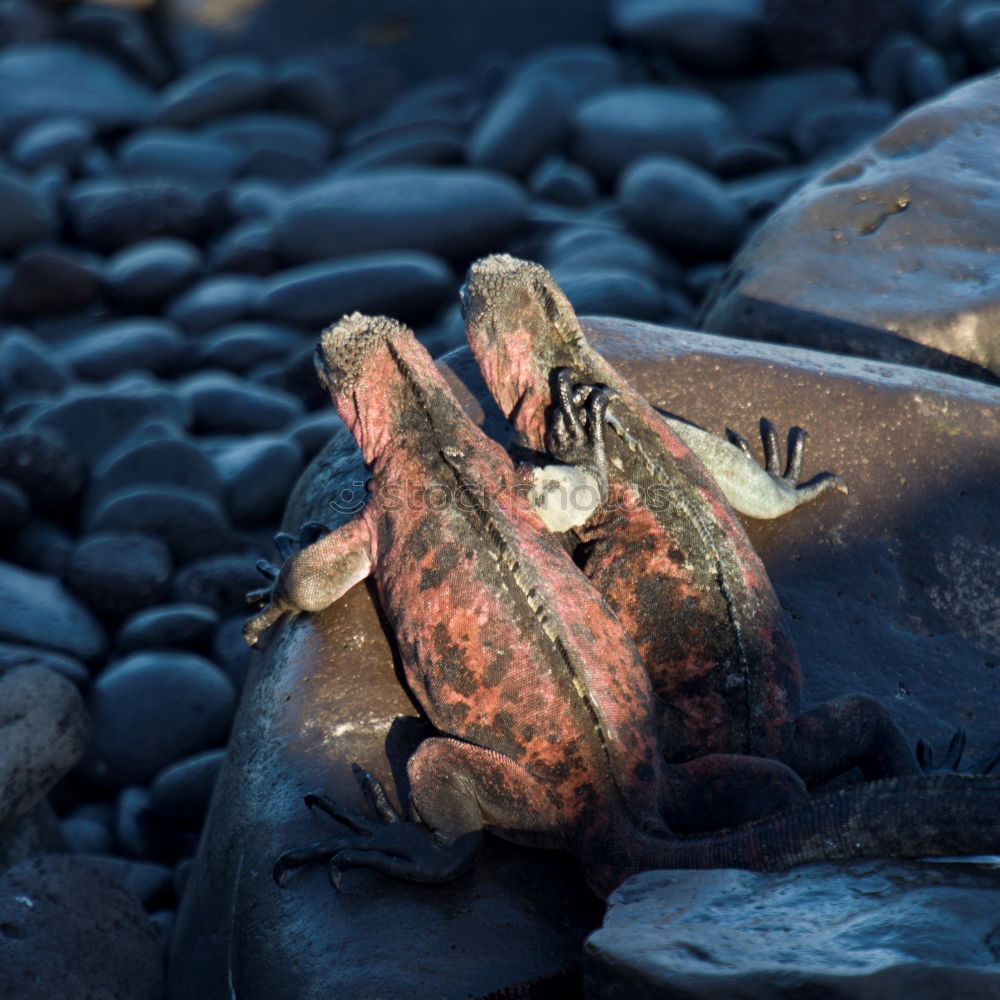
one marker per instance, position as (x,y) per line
(386,842)
(983,764)
(576,431)
(275,604)
(789,478)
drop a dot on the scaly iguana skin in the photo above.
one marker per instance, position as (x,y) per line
(545,709)
(666,550)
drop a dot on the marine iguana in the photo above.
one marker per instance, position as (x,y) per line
(666,549)
(546,715)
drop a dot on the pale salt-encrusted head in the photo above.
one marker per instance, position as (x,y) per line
(520,327)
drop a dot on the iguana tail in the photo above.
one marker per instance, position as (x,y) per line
(947,814)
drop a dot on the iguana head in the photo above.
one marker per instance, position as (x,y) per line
(363,361)
(521,328)
(383,383)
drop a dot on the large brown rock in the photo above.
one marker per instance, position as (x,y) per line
(889,253)
(891,591)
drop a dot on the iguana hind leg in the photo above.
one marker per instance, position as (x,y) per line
(724,790)
(456,790)
(853,731)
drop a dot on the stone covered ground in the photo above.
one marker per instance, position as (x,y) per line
(173,237)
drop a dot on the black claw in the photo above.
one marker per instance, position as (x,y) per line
(769,438)
(925,755)
(291,860)
(258,596)
(266,569)
(312,531)
(741,442)
(335,876)
(953,755)
(796,451)
(285,544)
(375,795)
(956,747)
(566,392)
(988,762)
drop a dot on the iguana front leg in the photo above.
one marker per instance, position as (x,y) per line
(316,571)
(565,494)
(761,492)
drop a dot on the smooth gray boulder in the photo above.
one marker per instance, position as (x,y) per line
(889,253)
(43,732)
(892,591)
(862,931)
(36,608)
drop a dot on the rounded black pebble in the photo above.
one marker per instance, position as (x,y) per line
(189,522)
(27,366)
(57,141)
(136,830)
(258,474)
(398,283)
(168,626)
(89,829)
(90,86)
(15,508)
(135,344)
(215,301)
(445,210)
(217,87)
(152,709)
(246,248)
(681,207)
(221,582)
(611,291)
(230,650)
(26,213)
(44,547)
(116,574)
(225,404)
(111,213)
(242,346)
(528,119)
(51,280)
(181,792)
(44,466)
(147,273)
(166,459)
(166,153)
(92,422)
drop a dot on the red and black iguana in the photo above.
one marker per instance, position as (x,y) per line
(665,548)
(547,719)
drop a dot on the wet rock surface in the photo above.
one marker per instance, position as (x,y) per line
(860,930)
(889,252)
